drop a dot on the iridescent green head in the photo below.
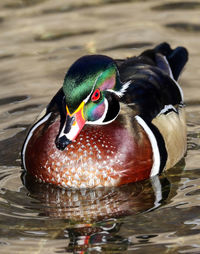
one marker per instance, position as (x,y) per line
(87,74)
(92,90)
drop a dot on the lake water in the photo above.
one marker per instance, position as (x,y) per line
(39,40)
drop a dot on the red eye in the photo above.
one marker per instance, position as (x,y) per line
(96,95)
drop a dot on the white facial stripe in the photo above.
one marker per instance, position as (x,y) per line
(123,90)
(156,154)
(115,92)
(30,135)
(125,87)
(88,97)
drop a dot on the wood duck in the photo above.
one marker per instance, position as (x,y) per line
(113,122)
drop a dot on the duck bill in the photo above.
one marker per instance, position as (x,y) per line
(72,127)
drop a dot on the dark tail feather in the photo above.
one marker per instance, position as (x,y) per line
(177,58)
(177,61)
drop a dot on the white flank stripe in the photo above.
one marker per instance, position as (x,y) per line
(30,135)
(166,108)
(156,155)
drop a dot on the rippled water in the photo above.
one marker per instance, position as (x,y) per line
(39,41)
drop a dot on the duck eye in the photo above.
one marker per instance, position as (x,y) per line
(96,95)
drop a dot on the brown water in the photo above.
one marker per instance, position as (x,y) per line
(38,42)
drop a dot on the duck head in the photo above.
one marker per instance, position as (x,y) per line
(92,89)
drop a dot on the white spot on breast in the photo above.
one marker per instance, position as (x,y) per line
(99,157)
(58,178)
(74,182)
(91,183)
(73,170)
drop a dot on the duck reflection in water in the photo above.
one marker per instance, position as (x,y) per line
(96,215)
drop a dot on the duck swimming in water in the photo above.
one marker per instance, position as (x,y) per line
(113,122)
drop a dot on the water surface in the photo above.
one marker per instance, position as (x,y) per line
(39,41)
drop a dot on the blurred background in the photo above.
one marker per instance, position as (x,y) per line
(39,40)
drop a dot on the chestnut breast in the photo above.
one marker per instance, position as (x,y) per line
(101,155)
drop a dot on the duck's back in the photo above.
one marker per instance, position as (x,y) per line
(153,77)
(157,99)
